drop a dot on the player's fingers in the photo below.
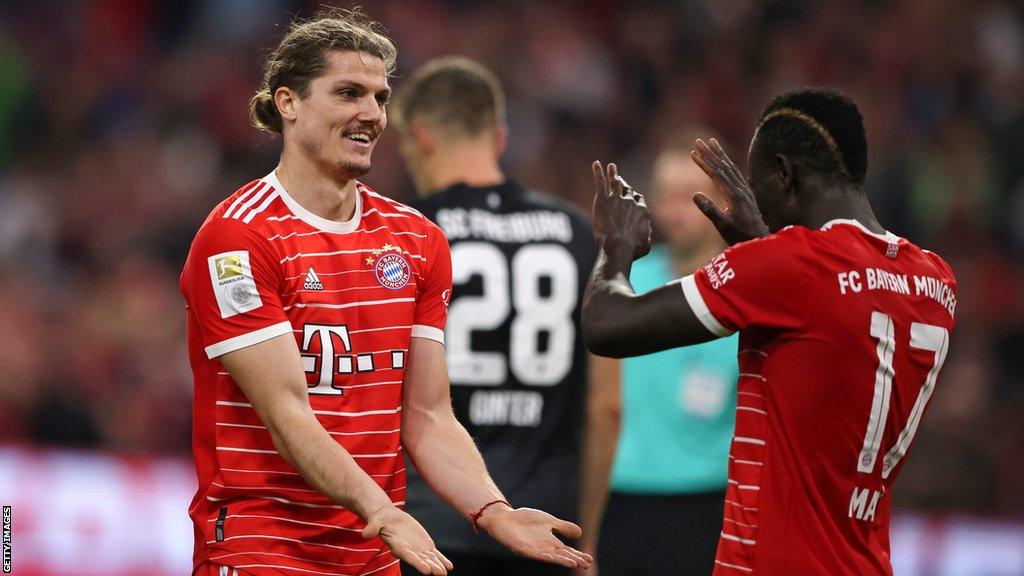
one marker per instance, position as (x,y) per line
(708,208)
(729,168)
(436,568)
(718,151)
(723,164)
(705,162)
(444,560)
(557,557)
(615,182)
(419,563)
(600,183)
(582,558)
(708,153)
(567,529)
(627,190)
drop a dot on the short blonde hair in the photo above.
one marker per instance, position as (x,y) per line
(452,92)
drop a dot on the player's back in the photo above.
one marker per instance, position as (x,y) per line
(515,354)
(842,340)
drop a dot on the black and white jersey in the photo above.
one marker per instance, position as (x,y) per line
(516,359)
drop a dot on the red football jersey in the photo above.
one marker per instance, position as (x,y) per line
(353,294)
(842,336)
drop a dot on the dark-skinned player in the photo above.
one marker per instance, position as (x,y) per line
(844,328)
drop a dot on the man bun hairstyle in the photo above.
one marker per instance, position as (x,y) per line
(822,127)
(452,93)
(302,56)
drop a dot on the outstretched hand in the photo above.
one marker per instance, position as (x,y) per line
(741,220)
(408,540)
(619,211)
(531,533)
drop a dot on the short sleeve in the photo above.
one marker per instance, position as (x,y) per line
(231,285)
(436,289)
(761,283)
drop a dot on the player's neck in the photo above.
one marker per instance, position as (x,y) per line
(472,165)
(840,203)
(328,196)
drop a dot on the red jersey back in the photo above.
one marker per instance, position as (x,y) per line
(843,334)
(353,294)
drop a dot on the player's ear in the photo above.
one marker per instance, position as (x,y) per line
(286,102)
(422,137)
(785,172)
(500,139)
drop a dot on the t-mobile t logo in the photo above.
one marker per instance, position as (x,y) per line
(323,364)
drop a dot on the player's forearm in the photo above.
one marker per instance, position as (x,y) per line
(446,457)
(322,462)
(606,299)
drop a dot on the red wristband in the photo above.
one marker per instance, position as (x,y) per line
(476,515)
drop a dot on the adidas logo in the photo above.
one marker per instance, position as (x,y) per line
(312,281)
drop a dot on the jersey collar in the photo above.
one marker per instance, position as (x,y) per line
(888,236)
(312,219)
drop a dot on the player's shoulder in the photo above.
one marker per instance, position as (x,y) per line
(929,260)
(395,215)
(235,214)
(791,241)
(545,201)
(250,206)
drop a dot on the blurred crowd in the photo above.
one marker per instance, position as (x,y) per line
(122,123)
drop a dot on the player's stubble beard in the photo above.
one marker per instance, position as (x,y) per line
(341,169)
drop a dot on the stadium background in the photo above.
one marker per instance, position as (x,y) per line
(123,122)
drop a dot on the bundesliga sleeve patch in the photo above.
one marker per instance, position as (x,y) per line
(233,283)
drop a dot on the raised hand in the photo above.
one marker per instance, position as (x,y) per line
(619,211)
(531,533)
(408,541)
(741,220)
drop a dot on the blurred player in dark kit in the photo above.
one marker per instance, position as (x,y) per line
(516,359)
(844,328)
(316,310)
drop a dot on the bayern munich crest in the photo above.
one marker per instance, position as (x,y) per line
(391,268)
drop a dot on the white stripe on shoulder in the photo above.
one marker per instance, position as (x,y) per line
(394,204)
(263,206)
(264,189)
(385,214)
(243,197)
(700,308)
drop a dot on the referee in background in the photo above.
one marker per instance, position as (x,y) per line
(677,408)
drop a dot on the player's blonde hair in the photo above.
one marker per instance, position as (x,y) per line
(300,57)
(454,93)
